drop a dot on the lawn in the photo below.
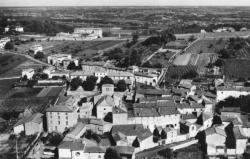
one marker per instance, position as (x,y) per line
(9,62)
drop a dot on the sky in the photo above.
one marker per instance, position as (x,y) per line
(124,3)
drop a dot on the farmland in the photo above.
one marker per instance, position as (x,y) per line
(83,49)
(9,62)
(237,68)
(6,85)
(161,58)
(207,46)
(182,60)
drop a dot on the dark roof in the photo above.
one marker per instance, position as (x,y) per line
(245,121)
(153,91)
(118,110)
(188,116)
(94,149)
(72,145)
(133,130)
(125,150)
(35,118)
(231,109)
(59,108)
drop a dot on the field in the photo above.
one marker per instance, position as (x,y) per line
(9,62)
(161,58)
(207,46)
(83,49)
(236,68)
(6,85)
(202,60)
(25,93)
(182,60)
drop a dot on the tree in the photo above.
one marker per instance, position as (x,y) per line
(72,66)
(111,154)
(106,80)
(44,76)
(39,55)
(135,37)
(217,120)
(90,83)
(75,83)
(190,74)
(121,86)
(191,38)
(9,46)
(136,143)
(163,134)
(156,135)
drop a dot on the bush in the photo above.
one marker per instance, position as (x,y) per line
(75,83)
(9,46)
(121,86)
(39,55)
(90,83)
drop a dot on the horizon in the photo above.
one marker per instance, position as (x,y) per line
(124,3)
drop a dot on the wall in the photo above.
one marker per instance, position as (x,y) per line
(213,141)
(221,95)
(18,129)
(64,153)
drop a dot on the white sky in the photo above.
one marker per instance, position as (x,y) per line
(124,2)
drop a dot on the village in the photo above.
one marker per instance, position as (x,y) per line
(120,105)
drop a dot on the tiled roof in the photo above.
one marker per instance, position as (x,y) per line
(118,110)
(94,149)
(215,130)
(235,120)
(77,129)
(72,145)
(125,150)
(154,91)
(35,118)
(188,116)
(59,108)
(142,74)
(133,130)
(108,99)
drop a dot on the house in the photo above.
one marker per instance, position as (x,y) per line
(241,140)
(215,139)
(168,135)
(137,136)
(36,48)
(59,73)
(205,119)
(30,124)
(95,32)
(224,92)
(145,78)
(71,149)
(99,126)
(57,59)
(15,28)
(60,118)
(189,128)
(108,89)
(3,42)
(104,106)
(190,108)
(29,73)
(91,66)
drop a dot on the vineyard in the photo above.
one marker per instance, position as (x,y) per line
(207,46)
(182,60)
(179,71)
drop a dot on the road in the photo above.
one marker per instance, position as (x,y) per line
(8,78)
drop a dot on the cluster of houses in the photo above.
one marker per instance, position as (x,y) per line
(137,120)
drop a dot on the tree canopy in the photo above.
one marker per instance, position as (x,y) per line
(75,83)
(90,83)
(111,154)
(9,46)
(121,86)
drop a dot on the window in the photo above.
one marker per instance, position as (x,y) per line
(58,122)
(77,153)
(66,117)
(56,128)
(58,117)
(67,123)
(99,156)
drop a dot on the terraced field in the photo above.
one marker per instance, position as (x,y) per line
(207,46)
(182,60)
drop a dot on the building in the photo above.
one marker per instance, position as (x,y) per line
(95,32)
(57,59)
(60,118)
(16,28)
(99,126)
(104,106)
(150,115)
(225,92)
(77,131)
(30,124)
(29,73)
(145,78)
(215,139)
(36,48)
(136,135)
(3,42)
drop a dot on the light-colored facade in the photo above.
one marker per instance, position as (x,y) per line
(97,32)
(3,42)
(223,93)
(36,49)
(29,73)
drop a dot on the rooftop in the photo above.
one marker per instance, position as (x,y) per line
(59,108)
(133,130)
(35,118)
(72,145)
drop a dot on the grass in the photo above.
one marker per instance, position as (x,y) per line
(207,46)
(9,62)
(25,93)
(237,68)
(182,60)
(6,85)
(83,49)
(162,58)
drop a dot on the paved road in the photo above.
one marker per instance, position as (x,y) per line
(8,78)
